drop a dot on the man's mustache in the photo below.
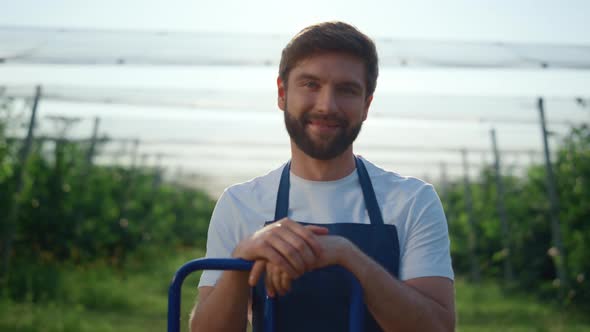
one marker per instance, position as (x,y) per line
(333,118)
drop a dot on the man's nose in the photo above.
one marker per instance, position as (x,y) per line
(327,101)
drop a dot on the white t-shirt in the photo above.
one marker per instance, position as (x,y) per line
(406,202)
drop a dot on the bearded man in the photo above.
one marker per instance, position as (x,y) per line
(328,215)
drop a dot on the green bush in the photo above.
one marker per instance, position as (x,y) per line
(69,211)
(527,205)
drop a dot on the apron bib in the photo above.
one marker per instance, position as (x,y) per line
(319,300)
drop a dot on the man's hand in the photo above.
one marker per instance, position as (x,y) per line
(333,251)
(276,281)
(286,244)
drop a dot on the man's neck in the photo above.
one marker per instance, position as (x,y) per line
(312,169)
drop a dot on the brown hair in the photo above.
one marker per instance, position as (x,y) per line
(327,37)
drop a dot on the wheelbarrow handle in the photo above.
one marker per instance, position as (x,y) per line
(356,318)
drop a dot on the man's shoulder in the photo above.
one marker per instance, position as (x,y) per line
(391,184)
(256,188)
(389,177)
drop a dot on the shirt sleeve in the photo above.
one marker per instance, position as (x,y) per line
(427,248)
(221,237)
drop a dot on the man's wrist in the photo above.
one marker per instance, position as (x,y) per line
(346,254)
(352,258)
(237,252)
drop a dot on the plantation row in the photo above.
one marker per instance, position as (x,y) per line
(60,208)
(68,210)
(529,246)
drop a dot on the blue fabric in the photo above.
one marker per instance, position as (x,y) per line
(319,300)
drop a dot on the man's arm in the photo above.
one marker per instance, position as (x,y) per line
(420,304)
(228,299)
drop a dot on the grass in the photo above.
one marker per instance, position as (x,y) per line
(102,299)
(487,307)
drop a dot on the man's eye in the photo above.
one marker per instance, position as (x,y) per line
(311,84)
(348,90)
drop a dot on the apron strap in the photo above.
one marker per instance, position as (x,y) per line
(368,193)
(282,205)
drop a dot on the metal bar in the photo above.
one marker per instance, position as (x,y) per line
(19,176)
(184,271)
(559,256)
(356,319)
(93,140)
(357,312)
(269,314)
(502,211)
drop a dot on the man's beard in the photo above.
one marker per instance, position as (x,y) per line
(323,148)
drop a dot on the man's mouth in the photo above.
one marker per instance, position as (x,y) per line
(323,126)
(324,123)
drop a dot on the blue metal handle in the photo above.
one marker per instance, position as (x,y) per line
(356,318)
(185,270)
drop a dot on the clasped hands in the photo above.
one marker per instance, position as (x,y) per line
(285,250)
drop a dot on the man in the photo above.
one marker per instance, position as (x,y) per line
(328,215)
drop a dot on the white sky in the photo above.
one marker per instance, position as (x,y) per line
(559,22)
(485,20)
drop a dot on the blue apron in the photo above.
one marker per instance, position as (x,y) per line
(319,300)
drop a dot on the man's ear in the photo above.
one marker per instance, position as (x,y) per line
(281,97)
(367,105)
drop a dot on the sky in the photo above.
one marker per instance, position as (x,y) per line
(486,20)
(242,92)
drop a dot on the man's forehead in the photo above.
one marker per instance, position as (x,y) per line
(334,65)
(327,56)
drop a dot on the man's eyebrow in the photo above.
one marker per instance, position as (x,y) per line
(306,76)
(351,84)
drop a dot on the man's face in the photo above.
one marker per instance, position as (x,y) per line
(325,103)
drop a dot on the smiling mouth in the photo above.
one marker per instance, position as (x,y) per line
(323,128)
(324,124)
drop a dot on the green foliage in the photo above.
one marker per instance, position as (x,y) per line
(104,298)
(69,211)
(532,255)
